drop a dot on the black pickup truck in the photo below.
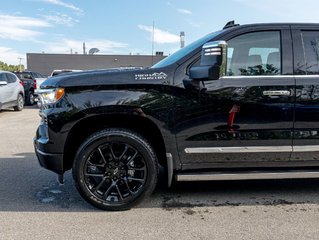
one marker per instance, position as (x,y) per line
(239,103)
(30,81)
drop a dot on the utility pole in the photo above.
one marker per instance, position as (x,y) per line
(84,49)
(182,37)
(20,67)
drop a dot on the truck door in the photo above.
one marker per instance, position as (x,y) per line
(306,68)
(246,117)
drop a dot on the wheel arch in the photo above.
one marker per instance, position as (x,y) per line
(87,126)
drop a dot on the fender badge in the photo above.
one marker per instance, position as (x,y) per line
(151,76)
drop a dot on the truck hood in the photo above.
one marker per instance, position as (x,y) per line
(109,77)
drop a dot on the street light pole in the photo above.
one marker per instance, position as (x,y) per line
(20,67)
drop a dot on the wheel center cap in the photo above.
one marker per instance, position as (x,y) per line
(116,171)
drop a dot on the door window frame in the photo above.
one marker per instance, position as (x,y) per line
(298,48)
(286,50)
(237,54)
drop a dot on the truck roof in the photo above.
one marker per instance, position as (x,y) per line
(233,25)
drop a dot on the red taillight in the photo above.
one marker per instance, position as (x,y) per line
(35,84)
(22,83)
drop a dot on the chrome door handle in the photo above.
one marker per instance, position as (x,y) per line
(277,93)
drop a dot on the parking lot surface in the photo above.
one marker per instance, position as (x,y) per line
(34,206)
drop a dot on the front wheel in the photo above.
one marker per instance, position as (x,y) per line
(115,169)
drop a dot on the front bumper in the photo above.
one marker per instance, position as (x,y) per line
(50,161)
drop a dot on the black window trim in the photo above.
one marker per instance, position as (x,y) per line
(298,49)
(286,45)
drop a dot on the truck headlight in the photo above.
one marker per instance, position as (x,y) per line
(49,96)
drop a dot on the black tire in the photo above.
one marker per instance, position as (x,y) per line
(19,104)
(115,169)
(29,100)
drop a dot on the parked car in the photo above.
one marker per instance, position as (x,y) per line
(11,91)
(240,103)
(31,81)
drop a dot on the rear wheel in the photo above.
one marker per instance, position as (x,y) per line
(19,103)
(115,169)
(29,100)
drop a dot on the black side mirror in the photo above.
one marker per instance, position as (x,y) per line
(213,62)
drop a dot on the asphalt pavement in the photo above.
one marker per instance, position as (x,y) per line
(34,206)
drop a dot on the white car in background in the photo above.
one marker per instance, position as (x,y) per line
(11,91)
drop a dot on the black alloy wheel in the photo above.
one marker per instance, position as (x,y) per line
(115,169)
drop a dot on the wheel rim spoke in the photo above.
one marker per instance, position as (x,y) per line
(118,190)
(99,185)
(138,168)
(95,164)
(123,154)
(128,187)
(112,152)
(136,179)
(132,159)
(94,175)
(103,158)
(107,192)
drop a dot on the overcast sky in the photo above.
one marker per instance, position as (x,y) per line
(125,26)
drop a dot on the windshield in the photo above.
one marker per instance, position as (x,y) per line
(24,75)
(185,51)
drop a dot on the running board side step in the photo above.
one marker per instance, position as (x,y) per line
(255,175)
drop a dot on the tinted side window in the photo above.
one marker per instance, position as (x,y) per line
(310,40)
(257,53)
(10,78)
(3,77)
(27,76)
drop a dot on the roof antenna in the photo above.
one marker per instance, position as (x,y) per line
(230,24)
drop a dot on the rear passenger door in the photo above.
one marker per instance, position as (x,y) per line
(306,69)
